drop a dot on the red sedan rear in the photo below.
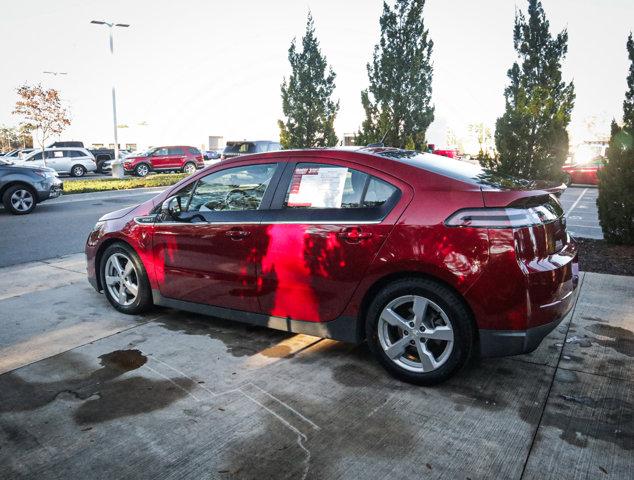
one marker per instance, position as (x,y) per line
(428,259)
(585,173)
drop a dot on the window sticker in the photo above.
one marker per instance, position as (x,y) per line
(317,187)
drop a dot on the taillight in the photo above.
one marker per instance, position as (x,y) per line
(501,217)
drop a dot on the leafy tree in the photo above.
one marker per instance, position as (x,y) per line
(42,111)
(616,179)
(531,136)
(397,103)
(306,98)
(15,137)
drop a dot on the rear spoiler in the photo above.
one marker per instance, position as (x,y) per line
(504,198)
(557,190)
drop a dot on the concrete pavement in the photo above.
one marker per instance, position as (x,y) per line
(86,392)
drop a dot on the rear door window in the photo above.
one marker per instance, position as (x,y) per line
(175,151)
(324,193)
(321,186)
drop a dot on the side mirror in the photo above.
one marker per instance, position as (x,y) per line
(171,209)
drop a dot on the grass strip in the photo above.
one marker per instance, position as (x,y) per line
(107,184)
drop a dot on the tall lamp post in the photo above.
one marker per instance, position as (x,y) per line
(110,26)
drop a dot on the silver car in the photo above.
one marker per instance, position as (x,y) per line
(74,161)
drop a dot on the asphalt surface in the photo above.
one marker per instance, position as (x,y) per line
(580,204)
(60,227)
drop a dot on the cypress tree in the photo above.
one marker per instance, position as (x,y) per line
(531,137)
(616,179)
(306,98)
(397,103)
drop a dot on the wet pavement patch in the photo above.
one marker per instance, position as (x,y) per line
(617,338)
(239,339)
(101,394)
(124,360)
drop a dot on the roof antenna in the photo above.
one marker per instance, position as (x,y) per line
(380,144)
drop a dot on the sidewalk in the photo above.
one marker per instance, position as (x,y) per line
(86,392)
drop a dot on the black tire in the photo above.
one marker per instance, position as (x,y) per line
(100,162)
(567,179)
(24,207)
(143,301)
(189,165)
(78,171)
(456,311)
(142,170)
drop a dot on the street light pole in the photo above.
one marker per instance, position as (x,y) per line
(110,26)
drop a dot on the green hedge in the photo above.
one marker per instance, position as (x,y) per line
(106,184)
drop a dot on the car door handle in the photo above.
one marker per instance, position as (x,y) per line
(237,234)
(354,235)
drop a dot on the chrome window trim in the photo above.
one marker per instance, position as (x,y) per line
(202,224)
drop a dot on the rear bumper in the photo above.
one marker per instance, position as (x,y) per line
(503,343)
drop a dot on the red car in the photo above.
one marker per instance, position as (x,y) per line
(427,258)
(585,173)
(183,158)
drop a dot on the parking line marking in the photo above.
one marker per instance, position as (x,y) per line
(576,202)
(239,390)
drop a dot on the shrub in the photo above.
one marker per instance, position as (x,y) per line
(616,189)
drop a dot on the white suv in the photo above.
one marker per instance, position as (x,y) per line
(71,160)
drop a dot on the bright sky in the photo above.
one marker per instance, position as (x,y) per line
(192,68)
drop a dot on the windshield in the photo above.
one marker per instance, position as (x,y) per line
(146,153)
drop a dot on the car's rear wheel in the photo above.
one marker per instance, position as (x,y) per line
(189,168)
(141,170)
(19,200)
(124,280)
(78,171)
(567,179)
(419,330)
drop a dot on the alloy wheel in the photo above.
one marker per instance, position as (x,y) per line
(142,170)
(122,279)
(22,200)
(189,168)
(78,171)
(415,333)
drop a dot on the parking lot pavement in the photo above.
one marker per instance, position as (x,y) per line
(88,393)
(580,204)
(302,394)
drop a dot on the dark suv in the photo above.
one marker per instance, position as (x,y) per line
(21,188)
(235,149)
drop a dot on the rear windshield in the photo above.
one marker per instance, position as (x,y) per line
(458,170)
(246,147)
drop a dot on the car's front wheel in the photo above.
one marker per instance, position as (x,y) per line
(78,171)
(19,200)
(124,280)
(419,330)
(141,170)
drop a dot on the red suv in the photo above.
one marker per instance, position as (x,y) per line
(427,258)
(186,159)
